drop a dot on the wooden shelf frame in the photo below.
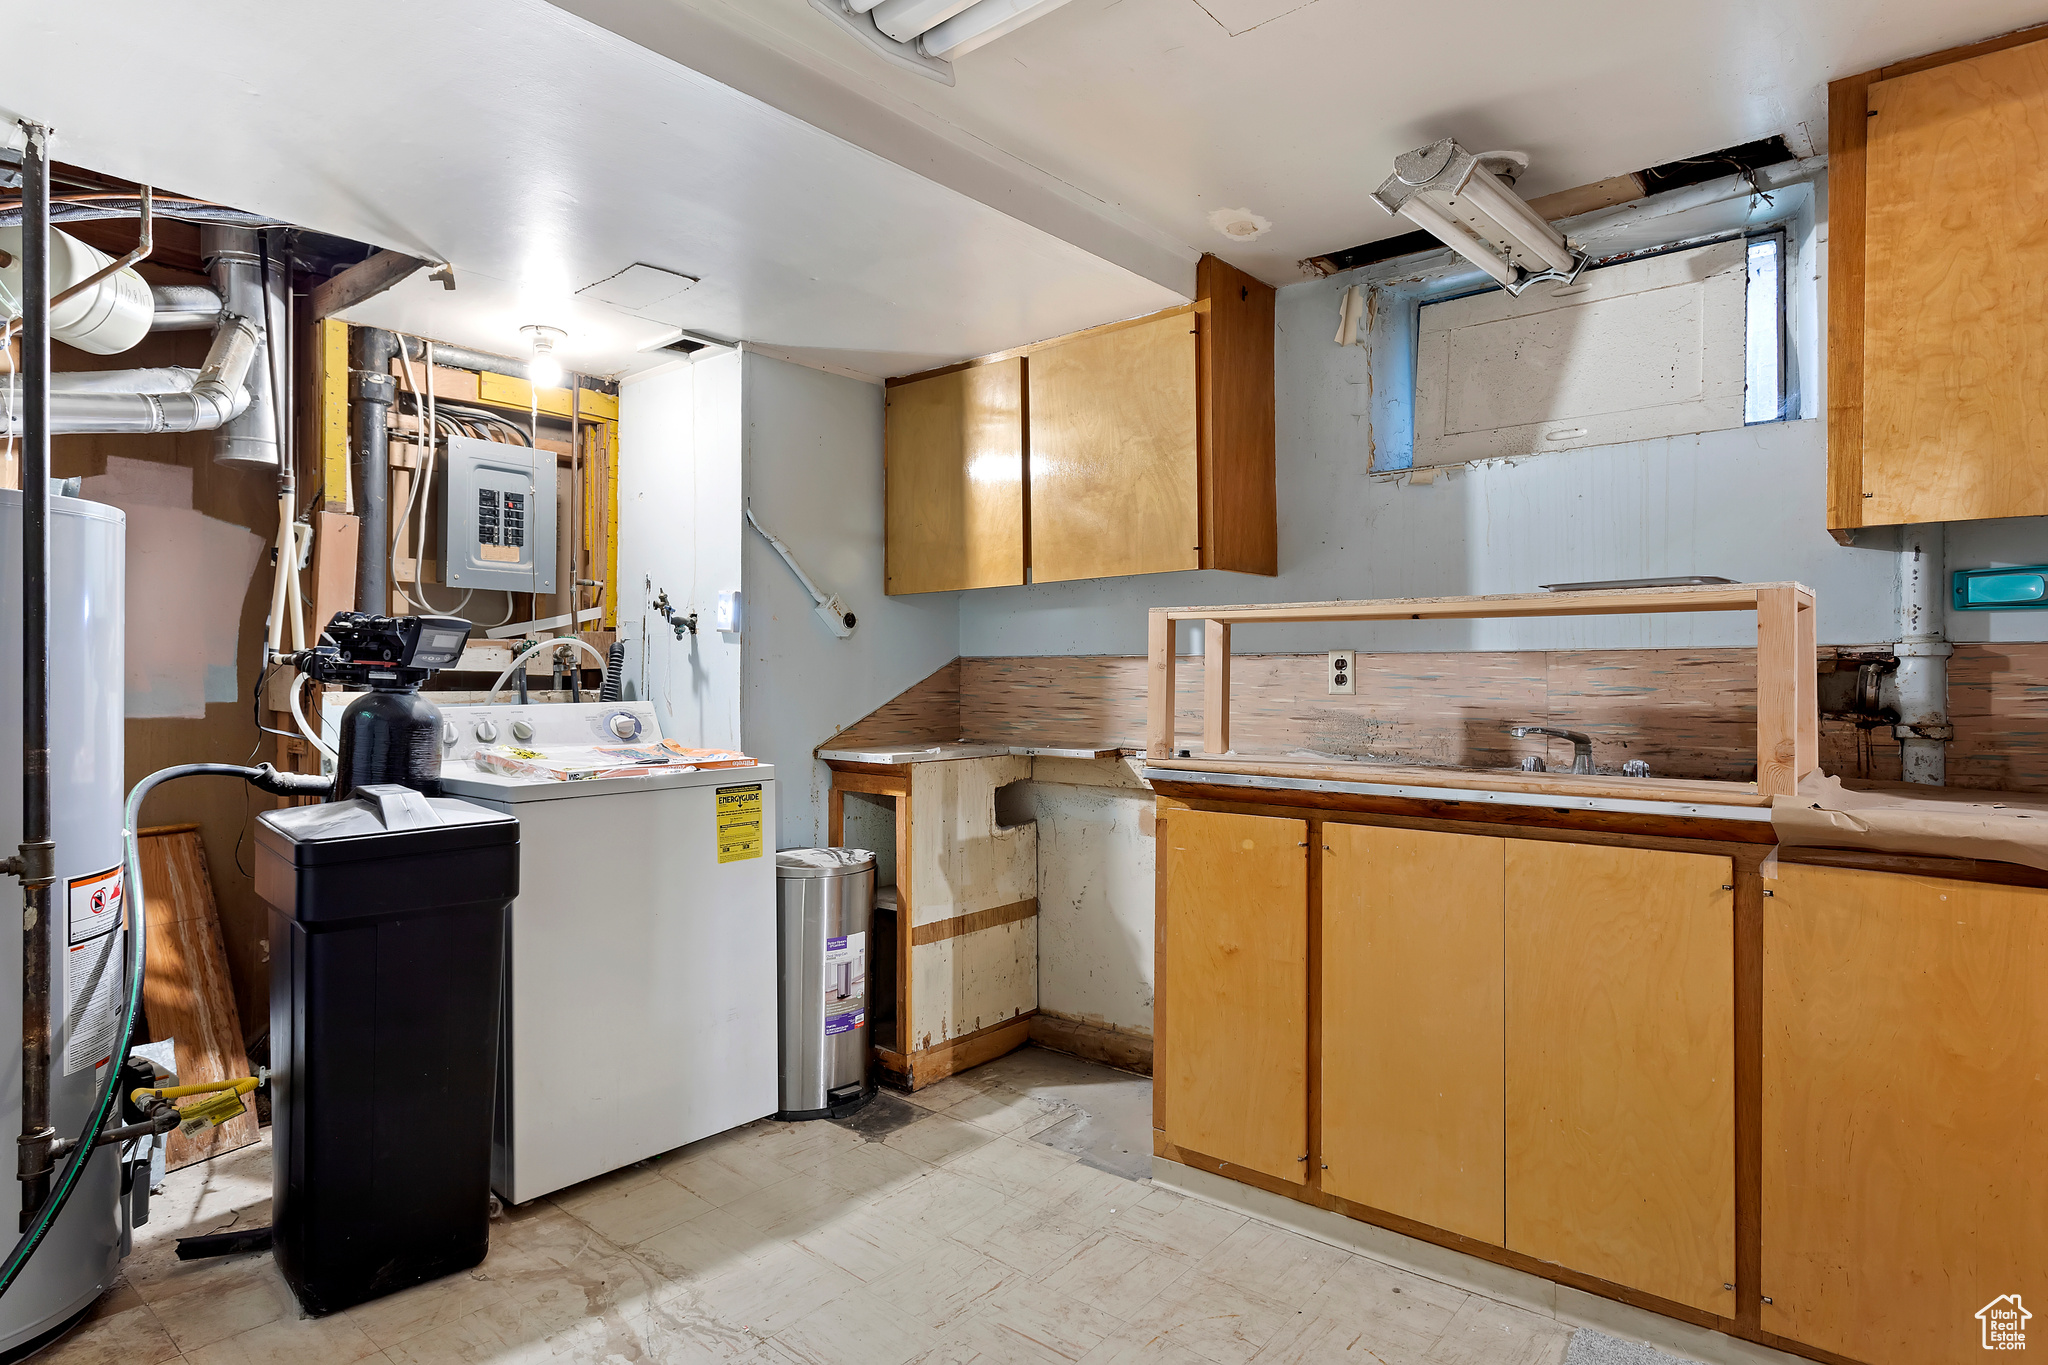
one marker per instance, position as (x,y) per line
(1787,707)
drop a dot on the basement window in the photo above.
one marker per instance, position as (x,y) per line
(1671,343)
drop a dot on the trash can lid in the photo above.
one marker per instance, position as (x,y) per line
(822,862)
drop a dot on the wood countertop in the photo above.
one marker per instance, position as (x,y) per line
(1677,793)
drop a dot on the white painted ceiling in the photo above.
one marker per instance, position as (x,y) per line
(538,154)
(844,212)
(1165,111)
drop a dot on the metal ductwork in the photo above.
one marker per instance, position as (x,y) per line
(184,308)
(234,256)
(142,402)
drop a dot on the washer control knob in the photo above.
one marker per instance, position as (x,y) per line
(625,725)
(487,731)
(449,734)
(522,730)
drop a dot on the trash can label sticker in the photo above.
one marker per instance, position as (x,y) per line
(739,823)
(846,977)
(844,1023)
(92,968)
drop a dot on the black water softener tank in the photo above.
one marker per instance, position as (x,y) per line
(387,938)
(388,908)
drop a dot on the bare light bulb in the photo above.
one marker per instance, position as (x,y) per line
(543,371)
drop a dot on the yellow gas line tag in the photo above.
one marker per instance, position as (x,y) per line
(210,1112)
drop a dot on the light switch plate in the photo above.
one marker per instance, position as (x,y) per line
(1342,673)
(729,612)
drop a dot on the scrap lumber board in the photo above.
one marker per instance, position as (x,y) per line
(186,992)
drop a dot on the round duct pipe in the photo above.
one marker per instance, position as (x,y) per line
(106,319)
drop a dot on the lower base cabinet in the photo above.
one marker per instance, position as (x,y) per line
(1413,1024)
(1621,1066)
(1231,1058)
(1905,1114)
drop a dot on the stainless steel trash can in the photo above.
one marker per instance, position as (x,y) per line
(826,900)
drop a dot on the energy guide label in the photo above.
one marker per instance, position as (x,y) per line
(92,967)
(846,983)
(739,823)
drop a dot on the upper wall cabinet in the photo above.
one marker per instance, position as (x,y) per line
(956,480)
(1938,297)
(1136,447)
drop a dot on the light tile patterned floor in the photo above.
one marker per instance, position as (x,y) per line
(956,1238)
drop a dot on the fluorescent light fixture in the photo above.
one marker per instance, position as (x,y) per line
(1470,205)
(904,20)
(982,23)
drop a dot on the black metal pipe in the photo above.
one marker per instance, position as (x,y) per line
(37,849)
(374,391)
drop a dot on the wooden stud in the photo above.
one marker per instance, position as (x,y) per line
(330,344)
(1806,701)
(1159,696)
(1216,687)
(1777,691)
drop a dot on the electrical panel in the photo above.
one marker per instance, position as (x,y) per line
(498,528)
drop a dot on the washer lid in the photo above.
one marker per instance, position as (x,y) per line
(822,862)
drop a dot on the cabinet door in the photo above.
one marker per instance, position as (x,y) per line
(1905,1111)
(1955,407)
(1621,1066)
(1412,1024)
(1233,1042)
(954,457)
(1113,462)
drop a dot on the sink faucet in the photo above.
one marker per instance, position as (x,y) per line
(1582,745)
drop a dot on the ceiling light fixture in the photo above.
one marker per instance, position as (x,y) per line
(1469,204)
(544,370)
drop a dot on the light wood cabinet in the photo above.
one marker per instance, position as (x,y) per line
(1413,1022)
(1141,446)
(1905,1111)
(955,500)
(1114,477)
(1231,1023)
(1938,300)
(1620,1094)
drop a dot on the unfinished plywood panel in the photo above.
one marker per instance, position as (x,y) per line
(1413,1024)
(1114,482)
(1955,325)
(954,458)
(1905,1114)
(1621,1066)
(1630,353)
(961,859)
(1240,507)
(1231,1050)
(186,994)
(972,981)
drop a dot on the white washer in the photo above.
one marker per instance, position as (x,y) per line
(640,974)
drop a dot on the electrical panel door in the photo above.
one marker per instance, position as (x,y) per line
(499,508)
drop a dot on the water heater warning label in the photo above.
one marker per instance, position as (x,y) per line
(739,823)
(92,968)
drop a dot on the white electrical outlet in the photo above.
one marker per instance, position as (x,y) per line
(728,616)
(1341,672)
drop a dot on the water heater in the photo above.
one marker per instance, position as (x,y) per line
(87,554)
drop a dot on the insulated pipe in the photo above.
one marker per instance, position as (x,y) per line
(184,308)
(1923,728)
(142,402)
(234,257)
(373,391)
(37,867)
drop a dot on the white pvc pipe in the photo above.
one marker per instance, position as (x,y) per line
(1923,651)
(311,733)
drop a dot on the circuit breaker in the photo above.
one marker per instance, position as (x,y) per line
(499,506)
